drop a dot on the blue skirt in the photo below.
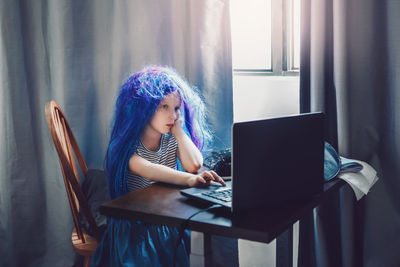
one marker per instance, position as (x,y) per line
(127,243)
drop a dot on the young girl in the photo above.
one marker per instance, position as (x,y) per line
(159,120)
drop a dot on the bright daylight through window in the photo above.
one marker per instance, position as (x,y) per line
(265,57)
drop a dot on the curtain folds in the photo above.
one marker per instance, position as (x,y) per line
(78,53)
(349,65)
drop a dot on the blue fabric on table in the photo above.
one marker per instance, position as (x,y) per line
(331,162)
(335,164)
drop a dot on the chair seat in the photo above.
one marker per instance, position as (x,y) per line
(84,249)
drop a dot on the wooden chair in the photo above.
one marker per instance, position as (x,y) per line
(66,147)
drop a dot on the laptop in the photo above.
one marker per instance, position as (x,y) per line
(274,161)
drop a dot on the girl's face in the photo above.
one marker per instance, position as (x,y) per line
(167,113)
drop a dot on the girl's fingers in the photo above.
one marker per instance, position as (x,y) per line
(215,175)
(210,177)
(201,180)
(217,178)
(179,121)
(207,175)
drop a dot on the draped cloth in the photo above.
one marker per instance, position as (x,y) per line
(349,69)
(78,53)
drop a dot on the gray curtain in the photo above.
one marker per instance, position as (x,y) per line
(78,53)
(349,69)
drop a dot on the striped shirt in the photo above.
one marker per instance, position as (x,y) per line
(166,155)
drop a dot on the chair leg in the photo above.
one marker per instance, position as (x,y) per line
(86,263)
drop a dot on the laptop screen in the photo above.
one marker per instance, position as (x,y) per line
(277,160)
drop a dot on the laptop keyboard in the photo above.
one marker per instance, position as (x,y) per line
(224,195)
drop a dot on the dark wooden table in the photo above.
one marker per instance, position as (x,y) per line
(163,204)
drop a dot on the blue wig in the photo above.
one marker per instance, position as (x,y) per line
(137,102)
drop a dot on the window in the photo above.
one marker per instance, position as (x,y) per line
(266,36)
(265,57)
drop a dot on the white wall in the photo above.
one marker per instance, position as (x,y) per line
(258,97)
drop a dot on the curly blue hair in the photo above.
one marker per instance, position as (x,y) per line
(137,102)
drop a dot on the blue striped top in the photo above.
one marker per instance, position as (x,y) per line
(165,155)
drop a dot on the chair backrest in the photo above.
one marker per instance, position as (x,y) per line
(66,147)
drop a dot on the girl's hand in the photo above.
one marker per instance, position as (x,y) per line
(205,179)
(177,126)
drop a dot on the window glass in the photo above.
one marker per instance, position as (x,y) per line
(251,34)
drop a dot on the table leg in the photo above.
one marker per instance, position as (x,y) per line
(284,249)
(200,249)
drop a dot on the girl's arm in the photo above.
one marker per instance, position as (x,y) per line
(188,154)
(161,173)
